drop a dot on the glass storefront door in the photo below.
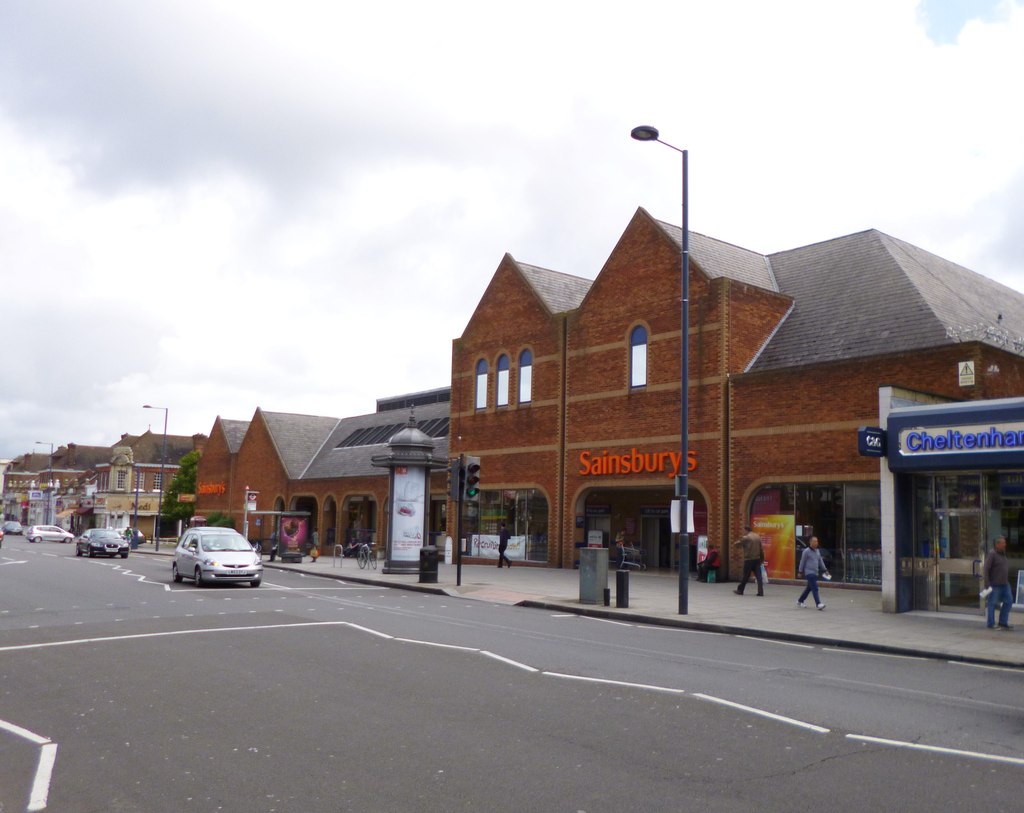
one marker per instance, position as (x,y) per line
(949,541)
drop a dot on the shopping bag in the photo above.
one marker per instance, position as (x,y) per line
(711,577)
(764,573)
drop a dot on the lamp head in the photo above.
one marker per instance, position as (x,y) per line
(645,133)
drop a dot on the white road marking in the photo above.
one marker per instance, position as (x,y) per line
(44,770)
(15,562)
(648,686)
(439,646)
(843,651)
(772,641)
(763,713)
(509,661)
(983,666)
(935,749)
(44,773)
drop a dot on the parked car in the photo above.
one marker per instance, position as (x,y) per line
(207,555)
(101,542)
(13,527)
(48,533)
(136,537)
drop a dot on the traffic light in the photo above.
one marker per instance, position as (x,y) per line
(456,478)
(472,491)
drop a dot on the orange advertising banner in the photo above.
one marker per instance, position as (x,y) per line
(778,537)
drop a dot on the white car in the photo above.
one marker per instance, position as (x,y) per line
(207,555)
(48,533)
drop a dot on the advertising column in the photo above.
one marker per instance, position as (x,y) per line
(408,512)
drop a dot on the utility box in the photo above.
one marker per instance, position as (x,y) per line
(593,575)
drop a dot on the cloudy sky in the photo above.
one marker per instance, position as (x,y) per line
(222,205)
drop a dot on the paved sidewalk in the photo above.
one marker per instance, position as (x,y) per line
(853,618)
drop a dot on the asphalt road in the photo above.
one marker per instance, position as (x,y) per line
(121,691)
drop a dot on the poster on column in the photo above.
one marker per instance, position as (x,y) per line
(778,537)
(407,513)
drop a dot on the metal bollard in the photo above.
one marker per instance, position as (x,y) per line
(622,588)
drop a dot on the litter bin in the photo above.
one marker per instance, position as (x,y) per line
(428,564)
(593,575)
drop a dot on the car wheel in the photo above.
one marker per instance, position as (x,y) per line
(37,540)
(78,551)
(124,555)
(256,582)
(199,577)
(90,553)
(174,573)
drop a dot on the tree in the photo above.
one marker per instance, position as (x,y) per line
(184,482)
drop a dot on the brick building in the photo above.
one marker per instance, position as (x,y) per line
(317,465)
(568,390)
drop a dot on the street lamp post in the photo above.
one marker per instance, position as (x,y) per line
(163,459)
(646,133)
(49,482)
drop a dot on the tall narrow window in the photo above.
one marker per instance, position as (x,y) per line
(481,384)
(501,394)
(122,479)
(525,377)
(638,357)
(158,480)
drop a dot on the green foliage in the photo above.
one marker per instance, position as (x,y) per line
(219,520)
(184,482)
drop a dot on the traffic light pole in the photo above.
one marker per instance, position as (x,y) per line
(458,526)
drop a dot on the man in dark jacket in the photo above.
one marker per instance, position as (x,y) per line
(997,576)
(503,546)
(753,555)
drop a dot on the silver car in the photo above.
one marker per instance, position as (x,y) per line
(207,555)
(48,533)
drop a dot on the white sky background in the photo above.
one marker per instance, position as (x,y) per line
(216,205)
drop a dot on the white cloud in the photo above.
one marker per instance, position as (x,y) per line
(222,205)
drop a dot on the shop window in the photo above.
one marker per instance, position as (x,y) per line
(501,383)
(481,384)
(525,512)
(844,516)
(638,357)
(525,377)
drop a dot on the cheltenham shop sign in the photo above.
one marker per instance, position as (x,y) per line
(605,463)
(936,440)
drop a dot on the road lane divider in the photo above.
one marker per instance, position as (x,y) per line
(625,684)
(762,713)
(935,749)
(40,793)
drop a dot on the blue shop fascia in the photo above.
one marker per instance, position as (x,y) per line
(957,483)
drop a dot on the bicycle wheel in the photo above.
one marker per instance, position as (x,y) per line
(372,556)
(363,558)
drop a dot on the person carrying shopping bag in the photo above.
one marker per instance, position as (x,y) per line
(811,566)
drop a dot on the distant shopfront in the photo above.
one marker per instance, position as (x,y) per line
(958,482)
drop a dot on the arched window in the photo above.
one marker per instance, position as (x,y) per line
(501,390)
(481,384)
(525,377)
(638,357)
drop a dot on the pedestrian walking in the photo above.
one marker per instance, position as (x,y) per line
(997,577)
(811,566)
(753,556)
(503,545)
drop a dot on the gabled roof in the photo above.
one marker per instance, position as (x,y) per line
(337,460)
(559,292)
(718,259)
(297,438)
(234,433)
(868,294)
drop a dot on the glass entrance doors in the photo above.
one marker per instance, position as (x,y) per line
(949,541)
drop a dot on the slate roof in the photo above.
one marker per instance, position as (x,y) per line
(869,294)
(559,292)
(234,433)
(297,438)
(354,461)
(718,259)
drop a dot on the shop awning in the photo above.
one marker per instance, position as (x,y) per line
(66,513)
(83,511)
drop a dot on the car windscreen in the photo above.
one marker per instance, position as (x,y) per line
(225,542)
(106,536)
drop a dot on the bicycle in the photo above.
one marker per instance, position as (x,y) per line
(366,556)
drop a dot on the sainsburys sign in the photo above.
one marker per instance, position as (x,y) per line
(605,463)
